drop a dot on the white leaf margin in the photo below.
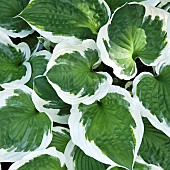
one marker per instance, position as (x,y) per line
(165,16)
(151,2)
(53,113)
(49,151)
(69,156)
(13,156)
(163,126)
(141,161)
(24,48)
(38,102)
(77,130)
(103,35)
(14,34)
(45,53)
(57,38)
(153,167)
(63,48)
(60,129)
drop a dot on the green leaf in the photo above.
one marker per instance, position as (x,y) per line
(153,92)
(9,23)
(134,31)
(23,128)
(42,160)
(71,73)
(14,68)
(76,18)
(46,100)
(155,147)
(38,63)
(101,128)
(61,137)
(76,159)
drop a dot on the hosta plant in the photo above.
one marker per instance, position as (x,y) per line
(84,84)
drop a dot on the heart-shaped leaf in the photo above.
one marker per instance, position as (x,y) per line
(108,129)
(71,73)
(23,128)
(134,31)
(14,66)
(153,92)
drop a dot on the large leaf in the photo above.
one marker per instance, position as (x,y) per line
(76,18)
(61,137)
(71,72)
(134,31)
(41,160)
(154,92)
(46,100)
(76,159)
(108,129)
(155,147)
(23,128)
(9,23)
(14,68)
(38,63)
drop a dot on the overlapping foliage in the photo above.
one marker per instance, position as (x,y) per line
(84,84)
